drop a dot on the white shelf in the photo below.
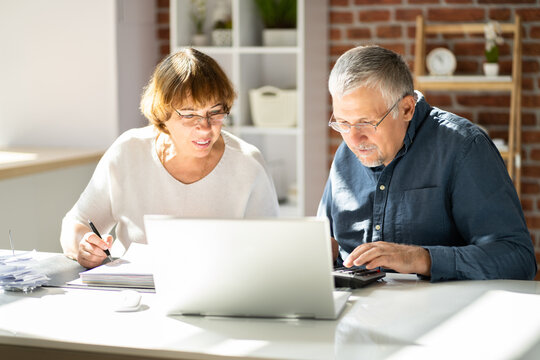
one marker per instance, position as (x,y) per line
(289,152)
(293,131)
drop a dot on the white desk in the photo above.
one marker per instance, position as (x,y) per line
(402,317)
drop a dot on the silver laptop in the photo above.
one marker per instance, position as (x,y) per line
(239,267)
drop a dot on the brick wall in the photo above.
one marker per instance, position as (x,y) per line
(391,23)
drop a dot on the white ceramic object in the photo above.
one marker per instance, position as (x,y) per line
(222,37)
(279,37)
(491,69)
(199,40)
(273,107)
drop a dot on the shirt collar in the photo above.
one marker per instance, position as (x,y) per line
(421,111)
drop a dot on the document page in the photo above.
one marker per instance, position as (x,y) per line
(134,269)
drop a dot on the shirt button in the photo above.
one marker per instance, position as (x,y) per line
(377,227)
(382,187)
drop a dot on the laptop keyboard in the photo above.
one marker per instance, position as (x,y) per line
(355,278)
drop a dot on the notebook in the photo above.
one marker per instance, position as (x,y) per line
(240,267)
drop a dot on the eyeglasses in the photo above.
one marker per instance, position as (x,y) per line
(212,118)
(345,127)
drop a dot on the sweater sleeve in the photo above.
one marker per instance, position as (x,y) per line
(95,202)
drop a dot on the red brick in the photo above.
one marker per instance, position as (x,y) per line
(411,33)
(459,1)
(455,14)
(453,36)
(162,3)
(339,2)
(338,50)
(438,100)
(530,14)
(496,134)
(527,204)
(163,34)
(334,34)
(528,119)
(535,32)
(535,155)
(467,67)
(499,14)
(484,100)
(398,48)
(423,1)
(378,2)
(530,101)
(490,118)
(531,171)
(530,137)
(164,49)
(467,49)
(532,49)
(533,222)
(359,33)
(509,2)
(530,66)
(407,14)
(374,15)
(391,31)
(339,17)
(163,18)
(530,188)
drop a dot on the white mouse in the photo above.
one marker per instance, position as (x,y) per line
(128,300)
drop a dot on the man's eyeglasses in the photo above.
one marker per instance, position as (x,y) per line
(345,128)
(212,118)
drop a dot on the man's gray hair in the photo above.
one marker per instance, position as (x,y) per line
(371,67)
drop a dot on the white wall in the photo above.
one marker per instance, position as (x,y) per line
(71,72)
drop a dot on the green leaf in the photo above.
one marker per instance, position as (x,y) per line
(277,13)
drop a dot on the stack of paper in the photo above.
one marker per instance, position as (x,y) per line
(16,273)
(132,270)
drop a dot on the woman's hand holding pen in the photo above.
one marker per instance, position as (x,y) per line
(92,249)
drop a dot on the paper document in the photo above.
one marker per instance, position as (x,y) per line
(134,269)
(17,272)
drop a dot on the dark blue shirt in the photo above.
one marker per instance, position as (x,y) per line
(446,190)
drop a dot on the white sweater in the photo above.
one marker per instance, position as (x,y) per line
(130,181)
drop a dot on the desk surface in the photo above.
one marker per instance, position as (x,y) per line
(401,317)
(25,161)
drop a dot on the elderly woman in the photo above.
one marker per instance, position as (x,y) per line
(183,164)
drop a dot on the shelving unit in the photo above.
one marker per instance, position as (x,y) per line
(296,156)
(511,84)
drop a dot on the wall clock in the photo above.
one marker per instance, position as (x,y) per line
(441,61)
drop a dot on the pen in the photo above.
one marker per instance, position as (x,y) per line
(97,233)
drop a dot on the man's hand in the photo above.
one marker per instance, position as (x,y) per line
(401,258)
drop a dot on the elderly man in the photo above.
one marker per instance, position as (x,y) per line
(414,188)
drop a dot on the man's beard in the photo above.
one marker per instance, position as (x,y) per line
(369,163)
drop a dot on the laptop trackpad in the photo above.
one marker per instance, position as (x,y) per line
(340,299)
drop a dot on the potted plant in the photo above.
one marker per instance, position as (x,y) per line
(198,17)
(222,32)
(279,19)
(492,32)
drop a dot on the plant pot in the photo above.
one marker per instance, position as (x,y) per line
(199,40)
(222,37)
(491,69)
(279,37)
